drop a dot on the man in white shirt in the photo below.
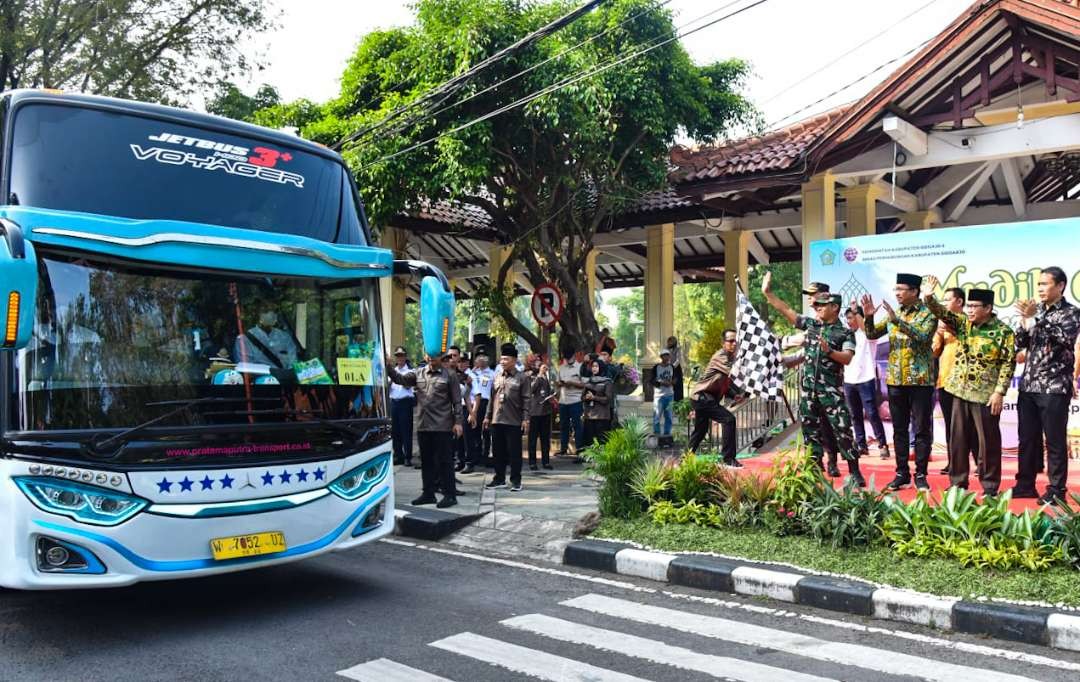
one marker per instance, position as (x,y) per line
(570,384)
(861,389)
(266,344)
(478,440)
(402,402)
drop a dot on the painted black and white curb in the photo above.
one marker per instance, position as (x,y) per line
(1041,626)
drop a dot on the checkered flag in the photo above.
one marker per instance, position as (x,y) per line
(758,368)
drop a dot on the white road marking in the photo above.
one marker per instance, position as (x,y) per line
(655,651)
(529,661)
(929,640)
(869,658)
(385,670)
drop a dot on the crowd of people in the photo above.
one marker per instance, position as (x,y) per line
(956,352)
(463,412)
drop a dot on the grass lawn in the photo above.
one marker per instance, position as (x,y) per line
(881,565)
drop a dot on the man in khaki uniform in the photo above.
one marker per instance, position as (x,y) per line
(507,417)
(439,418)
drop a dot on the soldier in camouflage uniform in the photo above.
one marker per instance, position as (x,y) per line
(829,345)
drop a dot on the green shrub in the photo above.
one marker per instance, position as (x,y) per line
(985,535)
(1065,531)
(690,479)
(707,515)
(796,480)
(652,482)
(847,518)
(617,460)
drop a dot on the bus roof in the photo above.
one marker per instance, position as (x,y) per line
(182,116)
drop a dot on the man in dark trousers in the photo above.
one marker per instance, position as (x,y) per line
(1048,333)
(910,375)
(705,397)
(985,361)
(439,421)
(507,417)
(402,401)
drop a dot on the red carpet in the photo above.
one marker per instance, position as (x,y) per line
(883,470)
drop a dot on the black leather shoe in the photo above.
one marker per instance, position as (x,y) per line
(1019,493)
(423,499)
(468,470)
(446,502)
(834,471)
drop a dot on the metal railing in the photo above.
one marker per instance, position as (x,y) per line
(757,417)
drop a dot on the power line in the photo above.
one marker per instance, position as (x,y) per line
(772,126)
(496,85)
(454,84)
(864,43)
(562,84)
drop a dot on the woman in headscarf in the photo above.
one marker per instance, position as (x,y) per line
(597,397)
(540,416)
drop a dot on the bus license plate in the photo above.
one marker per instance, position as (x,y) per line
(239,546)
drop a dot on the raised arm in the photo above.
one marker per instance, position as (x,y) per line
(406,379)
(954,320)
(872,330)
(774,300)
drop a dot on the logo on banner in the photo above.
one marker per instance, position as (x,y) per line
(851,254)
(827,257)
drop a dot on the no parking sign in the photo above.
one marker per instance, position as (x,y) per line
(547,304)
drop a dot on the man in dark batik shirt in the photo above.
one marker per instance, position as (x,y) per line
(1048,333)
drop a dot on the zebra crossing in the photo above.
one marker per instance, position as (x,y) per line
(680,643)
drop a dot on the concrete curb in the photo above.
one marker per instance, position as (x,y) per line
(429,524)
(1040,626)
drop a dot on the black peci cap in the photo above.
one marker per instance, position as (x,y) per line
(981,296)
(909,279)
(508,350)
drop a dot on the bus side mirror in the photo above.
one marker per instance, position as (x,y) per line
(436,316)
(18,287)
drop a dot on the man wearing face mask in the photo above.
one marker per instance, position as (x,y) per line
(266,343)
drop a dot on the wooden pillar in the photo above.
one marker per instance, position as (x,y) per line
(818,216)
(736,261)
(861,203)
(921,220)
(392,295)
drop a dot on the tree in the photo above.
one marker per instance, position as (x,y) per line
(229,101)
(631,313)
(550,173)
(154,50)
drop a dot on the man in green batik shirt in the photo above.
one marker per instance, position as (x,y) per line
(910,375)
(985,362)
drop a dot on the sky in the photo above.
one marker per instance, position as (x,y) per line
(801,51)
(787,42)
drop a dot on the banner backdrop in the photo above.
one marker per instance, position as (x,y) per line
(1004,258)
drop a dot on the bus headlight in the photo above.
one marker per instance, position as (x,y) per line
(359,481)
(85,503)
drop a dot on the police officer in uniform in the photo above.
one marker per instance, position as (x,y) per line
(440,418)
(507,417)
(829,346)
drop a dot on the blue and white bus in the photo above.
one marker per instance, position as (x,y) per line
(191,375)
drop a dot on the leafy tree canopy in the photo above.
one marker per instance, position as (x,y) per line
(231,102)
(552,172)
(153,50)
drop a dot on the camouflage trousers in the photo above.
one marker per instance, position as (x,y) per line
(824,410)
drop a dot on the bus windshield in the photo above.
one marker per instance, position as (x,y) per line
(74,158)
(115,345)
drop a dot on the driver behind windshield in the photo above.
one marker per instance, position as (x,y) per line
(267,343)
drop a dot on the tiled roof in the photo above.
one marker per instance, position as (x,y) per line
(775,151)
(452,213)
(469,217)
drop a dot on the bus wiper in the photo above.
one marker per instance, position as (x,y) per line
(99,448)
(312,417)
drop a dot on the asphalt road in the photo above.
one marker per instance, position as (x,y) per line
(401,611)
